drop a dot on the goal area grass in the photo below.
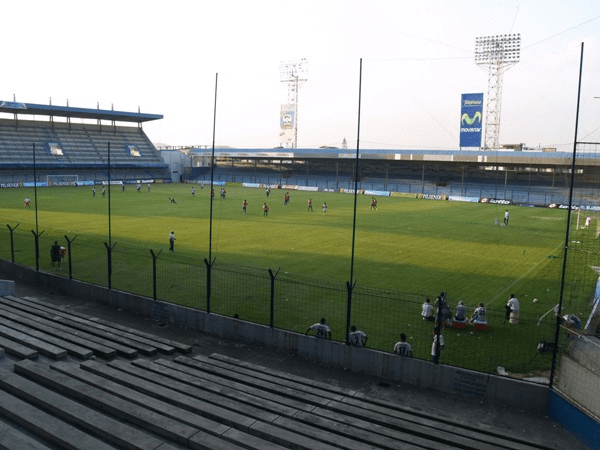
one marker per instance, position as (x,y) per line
(408,245)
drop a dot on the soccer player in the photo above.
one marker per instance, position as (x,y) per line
(244,206)
(322,331)
(172,242)
(265,210)
(506,217)
(286,199)
(193,192)
(479,314)
(27,203)
(427,310)
(356,337)
(324,208)
(436,347)
(373,204)
(403,348)
(103,191)
(310,205)
(93,191)
(512,309)
(461,312)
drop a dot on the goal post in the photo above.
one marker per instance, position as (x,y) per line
(62,180)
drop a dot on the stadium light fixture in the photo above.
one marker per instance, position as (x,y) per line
(497,54)
(293,73)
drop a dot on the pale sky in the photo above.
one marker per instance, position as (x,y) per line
(417,60)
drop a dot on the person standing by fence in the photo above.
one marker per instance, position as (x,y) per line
(55,255)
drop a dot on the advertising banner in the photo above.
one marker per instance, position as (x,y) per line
(471,120)
(286,119)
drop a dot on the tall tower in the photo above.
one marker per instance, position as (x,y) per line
(497,54)
(294,74)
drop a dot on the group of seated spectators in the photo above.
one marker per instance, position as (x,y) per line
(441,309)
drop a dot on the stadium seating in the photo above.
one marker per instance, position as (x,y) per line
(84,150)
(114,386)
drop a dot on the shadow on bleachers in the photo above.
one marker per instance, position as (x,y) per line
(83,382)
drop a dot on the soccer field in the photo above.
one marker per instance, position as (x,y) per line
(407,245)
(410,245)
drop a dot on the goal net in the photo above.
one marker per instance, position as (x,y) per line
(62,180)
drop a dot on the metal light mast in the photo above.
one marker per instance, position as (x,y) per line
(294,74)
(497,54)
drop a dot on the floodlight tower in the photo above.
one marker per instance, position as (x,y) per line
(497,54)
(294,74)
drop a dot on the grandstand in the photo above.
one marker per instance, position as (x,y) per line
(521,177)
(69,153)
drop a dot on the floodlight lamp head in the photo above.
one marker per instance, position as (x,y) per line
(498,49)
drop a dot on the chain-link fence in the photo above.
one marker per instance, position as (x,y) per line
(273,297)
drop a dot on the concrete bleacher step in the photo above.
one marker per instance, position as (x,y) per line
(142,409)
(18,350)
(47,328)
(360,428)
(56,322)
(340,434)
(150,344)
(72,349)
(386,415)
(49,428)
(43,347)
(86,325)
(93,422)
(12,439)
(163,345)
(100,343)
(289,409)
(242,417)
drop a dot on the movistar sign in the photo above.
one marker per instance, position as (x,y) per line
(471,121)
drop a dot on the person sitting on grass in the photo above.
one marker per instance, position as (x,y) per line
(461,312)
(479,315)
(427,310)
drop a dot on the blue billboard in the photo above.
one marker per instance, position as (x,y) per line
(471,121)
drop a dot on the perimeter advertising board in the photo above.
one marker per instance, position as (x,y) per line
(471,120)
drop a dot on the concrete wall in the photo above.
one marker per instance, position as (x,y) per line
(446,379)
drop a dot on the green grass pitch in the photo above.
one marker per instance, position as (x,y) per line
(407,245)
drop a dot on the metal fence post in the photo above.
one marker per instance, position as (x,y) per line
(272,313)
(154,257)
(12,241)
(37,249)
(69,242)
(109,258)
(349,288)
(209,265)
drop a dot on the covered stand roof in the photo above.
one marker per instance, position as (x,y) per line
(71,112)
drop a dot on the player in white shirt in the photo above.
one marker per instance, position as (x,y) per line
(435,353)
(427,310)
(356,337)
(322,331)
(403,348)
(461,312)
(512,308)
(479,315)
